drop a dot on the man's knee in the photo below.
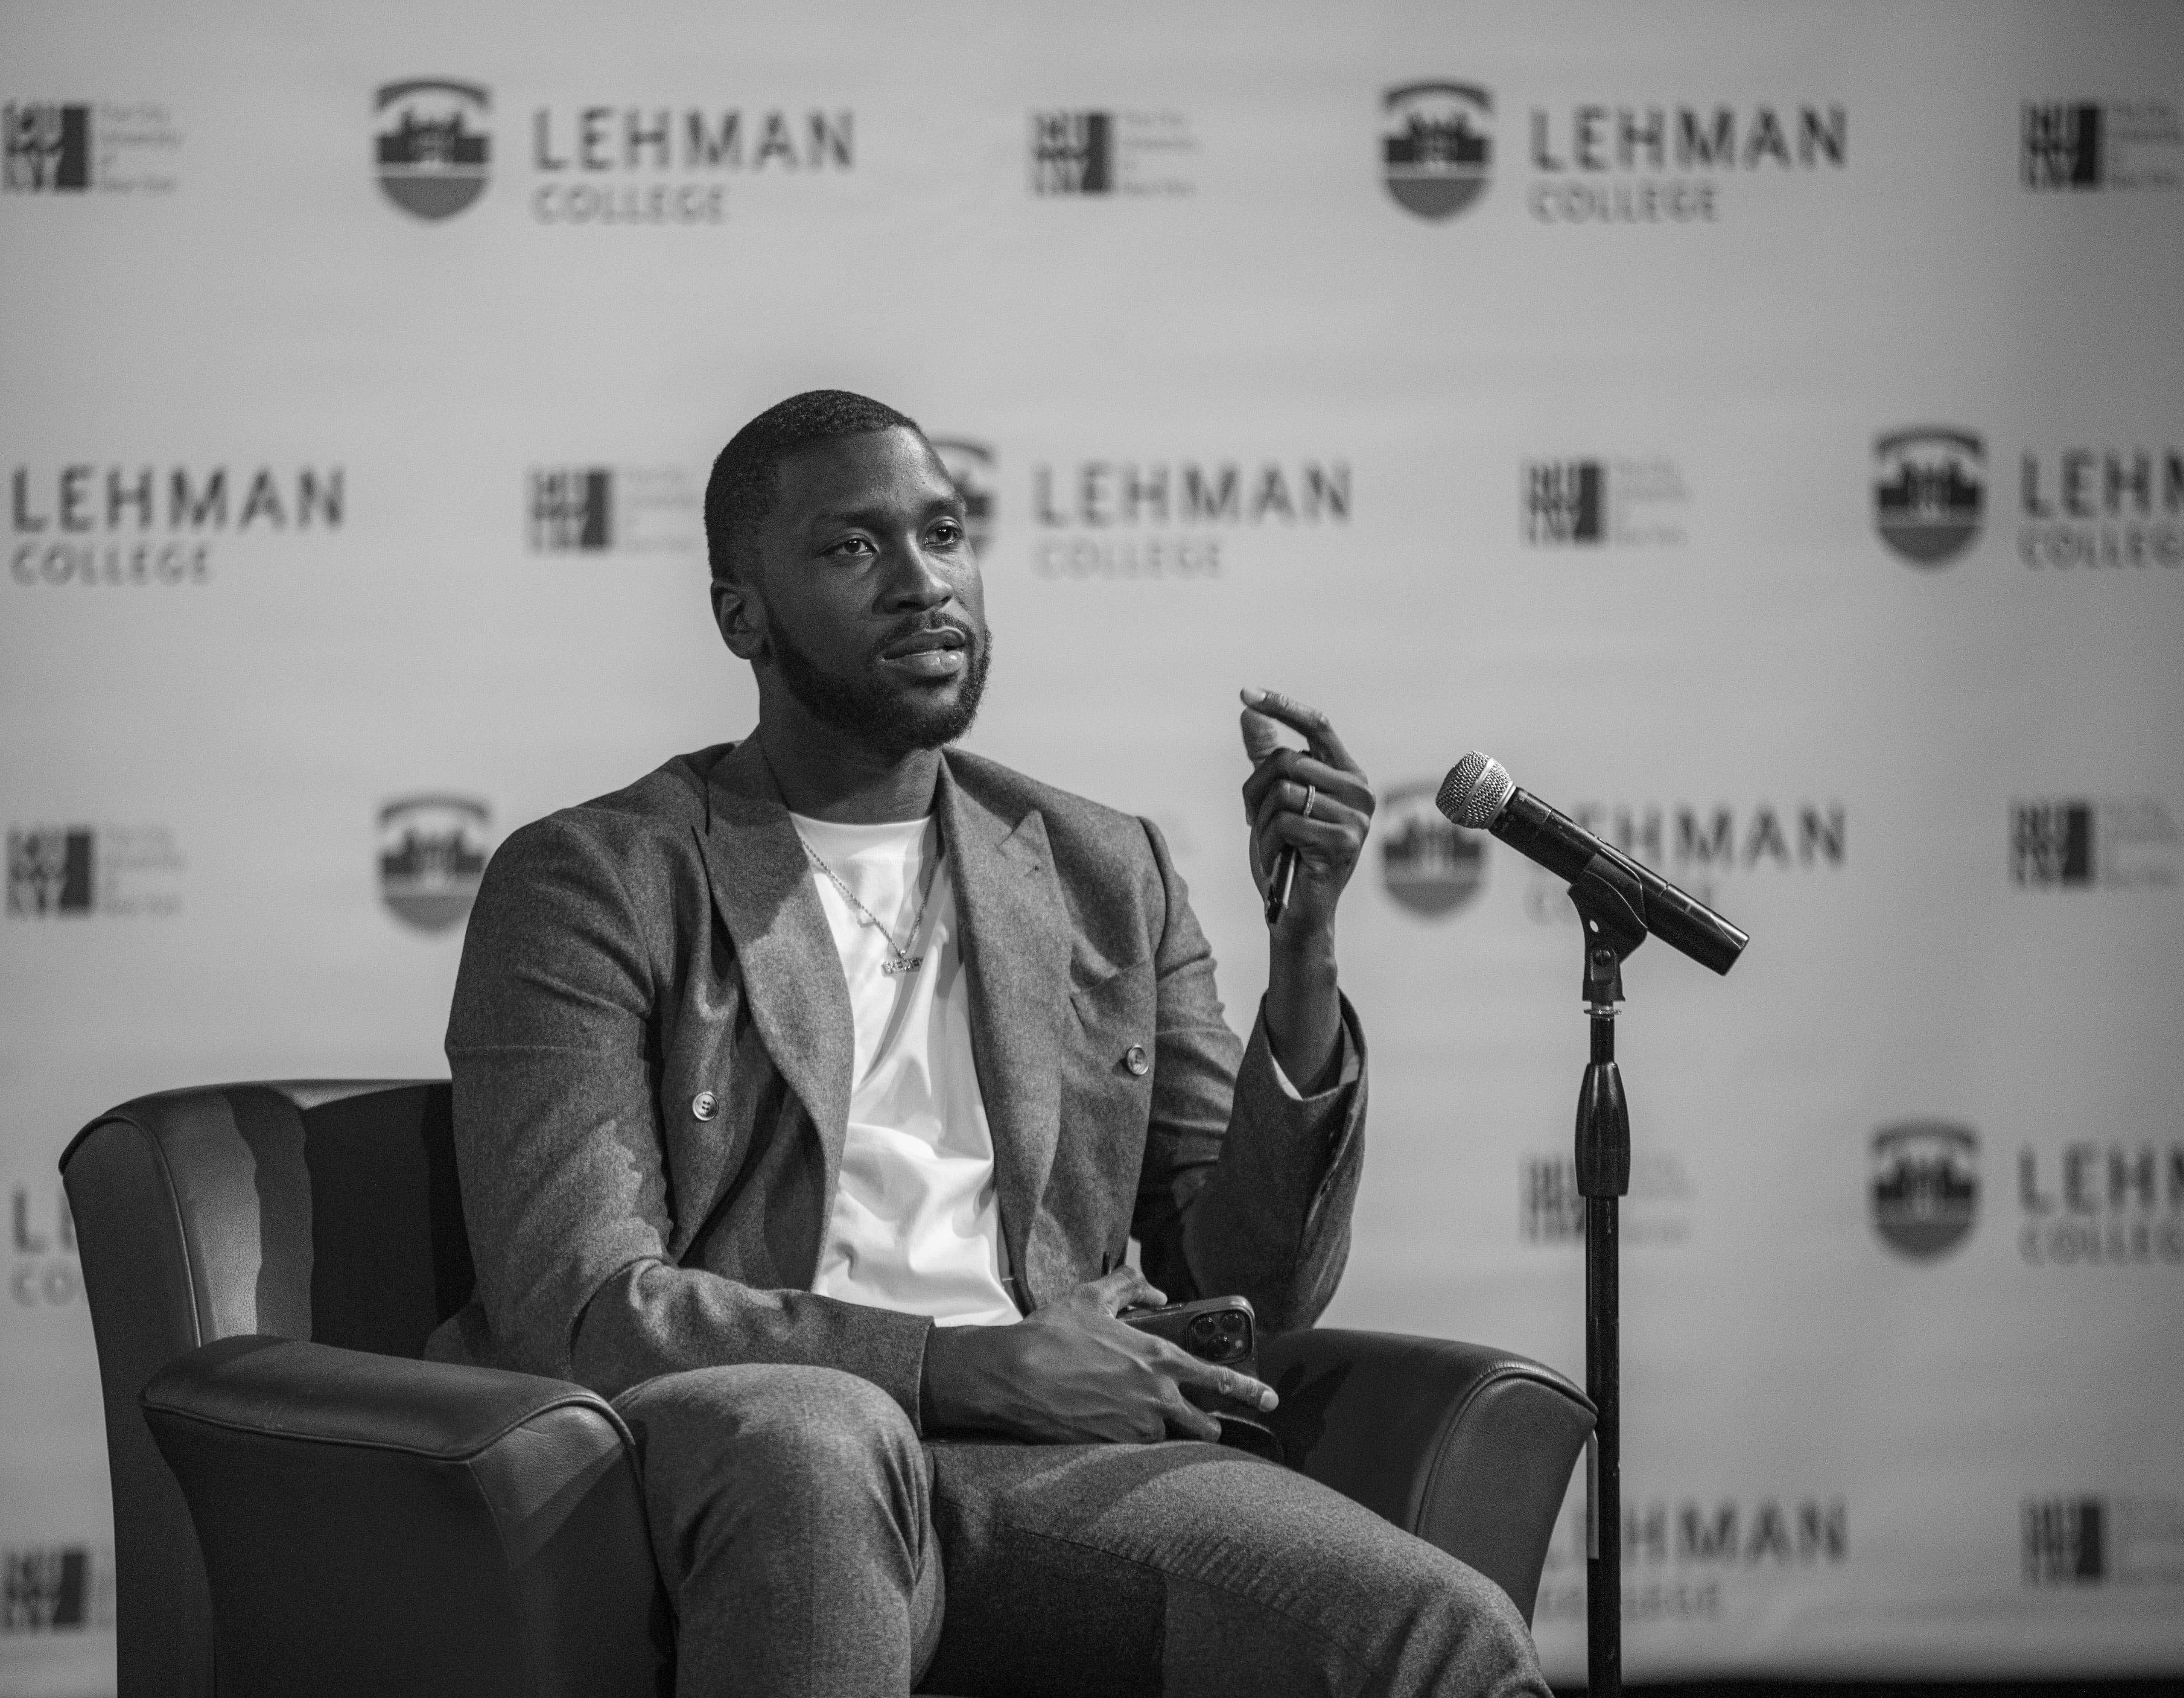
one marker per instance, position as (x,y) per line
(796,1496)
(770,1431)
(1483,1635)
(1481,1601)
(1437,1624)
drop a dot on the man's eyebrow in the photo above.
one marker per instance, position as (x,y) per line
(878,518)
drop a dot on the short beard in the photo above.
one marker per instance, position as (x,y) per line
(867,710)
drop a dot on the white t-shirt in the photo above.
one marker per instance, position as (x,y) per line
(915,1226)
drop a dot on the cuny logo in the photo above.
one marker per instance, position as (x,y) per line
(2062,145)
(2083,843)
(49,870)
(970,468)
(621,509)
(1563,501)
(1656,1210)
(48,147)
(1127,153)
(1626,500)
(1072,152)
(1925,1186)
(1437,148)
(1430,865)
(432,162)
(88,146)
(2074,145)
(56,1588)
(572,509)
(432,850)
(112,871)
(1929,488)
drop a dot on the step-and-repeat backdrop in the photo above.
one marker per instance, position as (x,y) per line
(1756,425)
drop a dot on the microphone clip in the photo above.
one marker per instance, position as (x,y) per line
(1609,904)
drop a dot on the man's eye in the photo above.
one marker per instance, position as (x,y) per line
(948,531)
(853,545)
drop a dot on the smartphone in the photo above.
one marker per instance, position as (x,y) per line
(1214,1329)
(1223,1330)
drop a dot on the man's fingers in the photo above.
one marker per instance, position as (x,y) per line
(1288,798)
(1317,730)
(1193,1421)
(1319,842)
(1261,737)
(1294,767)
(1185,1415)
(1254,1393)
(1214,1377)
(1128,1288)
(1334,835)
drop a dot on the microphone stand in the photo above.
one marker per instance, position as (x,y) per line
(1608,903)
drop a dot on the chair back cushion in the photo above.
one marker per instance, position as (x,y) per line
(318,1210)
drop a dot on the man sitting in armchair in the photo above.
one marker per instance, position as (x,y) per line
(807,1095)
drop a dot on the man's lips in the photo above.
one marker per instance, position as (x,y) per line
(942,638)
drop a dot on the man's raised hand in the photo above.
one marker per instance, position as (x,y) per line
(1315,800)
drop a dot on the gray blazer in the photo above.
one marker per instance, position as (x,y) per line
(651,1045)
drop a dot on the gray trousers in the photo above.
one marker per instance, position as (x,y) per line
(813,1545)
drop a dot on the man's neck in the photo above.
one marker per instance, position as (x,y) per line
(824,774)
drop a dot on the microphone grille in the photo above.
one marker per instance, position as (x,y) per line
(1475,792)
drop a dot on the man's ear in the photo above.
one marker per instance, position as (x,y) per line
(741,617)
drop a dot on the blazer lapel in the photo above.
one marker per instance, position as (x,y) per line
(1015,958)
(792,974)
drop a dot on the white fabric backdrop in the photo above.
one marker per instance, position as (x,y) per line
(1120,254)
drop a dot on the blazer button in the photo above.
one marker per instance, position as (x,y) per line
(705,1105)
(1133,1058)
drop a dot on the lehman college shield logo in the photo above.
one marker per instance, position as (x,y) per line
(1929,485)
(1925,1186)
(1437,145)
(432,149)
(432,851)
(1430,864)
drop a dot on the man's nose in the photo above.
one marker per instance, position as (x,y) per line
(916,581)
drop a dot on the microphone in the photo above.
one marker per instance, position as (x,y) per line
(1479,793)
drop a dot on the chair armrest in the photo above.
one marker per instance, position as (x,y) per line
(374,1524)
(1468,1447)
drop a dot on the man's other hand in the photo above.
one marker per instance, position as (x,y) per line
(1071,1373)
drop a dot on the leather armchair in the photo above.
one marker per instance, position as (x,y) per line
(302,1505)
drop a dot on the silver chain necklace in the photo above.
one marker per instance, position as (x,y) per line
(901,960)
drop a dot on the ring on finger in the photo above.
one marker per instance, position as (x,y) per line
(1310,796)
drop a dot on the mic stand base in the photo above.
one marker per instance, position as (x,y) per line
(1608,911)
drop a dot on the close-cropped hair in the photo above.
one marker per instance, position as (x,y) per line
(746,479)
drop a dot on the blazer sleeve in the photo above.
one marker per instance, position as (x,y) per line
(1246,1186)
(554,1045)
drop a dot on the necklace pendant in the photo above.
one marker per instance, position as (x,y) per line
(903,963)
